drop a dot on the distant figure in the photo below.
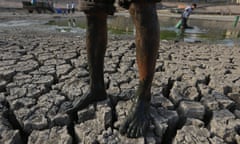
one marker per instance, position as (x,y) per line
(187,11)
(33,2)
(73,7)
(50,2)
(68,8)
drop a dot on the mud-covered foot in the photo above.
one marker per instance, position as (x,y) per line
(83,101)
(138,120)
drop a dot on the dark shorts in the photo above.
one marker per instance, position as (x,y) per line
(184,23)
(107,5)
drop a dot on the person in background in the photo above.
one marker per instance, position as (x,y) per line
(68,8)
(73,7)
(50,2)
(186,13)
(33,2)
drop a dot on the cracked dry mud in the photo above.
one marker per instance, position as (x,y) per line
(196,91)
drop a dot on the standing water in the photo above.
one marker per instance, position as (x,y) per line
(204,31)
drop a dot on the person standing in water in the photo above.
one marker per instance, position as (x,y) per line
(185,15)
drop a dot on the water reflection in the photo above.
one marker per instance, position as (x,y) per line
(232,33)
(180,35)
(193,34)
(71,22)
(120,25)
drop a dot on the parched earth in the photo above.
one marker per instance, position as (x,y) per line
(196,91)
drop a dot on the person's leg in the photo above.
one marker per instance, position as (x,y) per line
(184,23)
(96,42)
(147,42)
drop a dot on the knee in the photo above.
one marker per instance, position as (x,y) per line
(126,3)
(97,6)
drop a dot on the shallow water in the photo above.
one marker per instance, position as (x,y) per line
(205,31)
(14,23)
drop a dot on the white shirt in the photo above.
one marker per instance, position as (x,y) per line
(68,6)
(73,5)
(187,11)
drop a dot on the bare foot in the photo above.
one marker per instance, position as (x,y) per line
(83,101)
(138,121)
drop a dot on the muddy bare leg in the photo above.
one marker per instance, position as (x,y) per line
(96,41)
(147,42)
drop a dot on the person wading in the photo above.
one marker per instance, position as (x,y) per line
(185,15)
